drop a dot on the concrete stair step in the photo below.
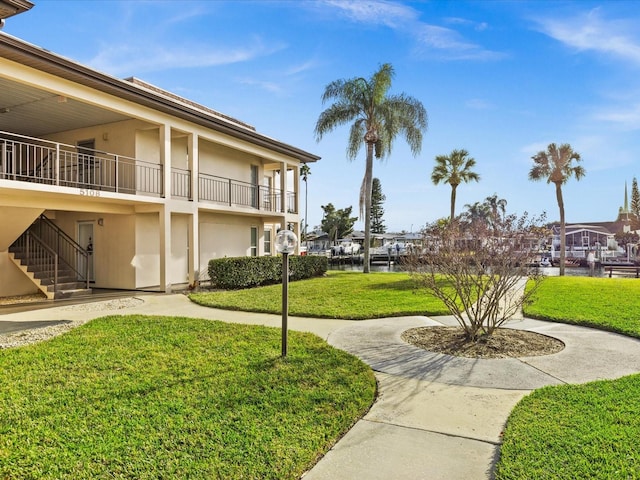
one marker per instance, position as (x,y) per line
(75,285)
(72,293)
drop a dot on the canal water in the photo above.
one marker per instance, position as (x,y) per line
(548,271)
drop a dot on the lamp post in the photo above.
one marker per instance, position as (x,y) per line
(286,242)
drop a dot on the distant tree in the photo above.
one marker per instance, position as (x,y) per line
(624,238)
(454,169)
(635,203)
(497,207)
(476,212)
(489,212)
(556,165)
(377,119)
(377,211)
(305,171)
(337,223)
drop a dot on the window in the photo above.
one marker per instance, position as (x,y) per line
(254,241)
(267,242)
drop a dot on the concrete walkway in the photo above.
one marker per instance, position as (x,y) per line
(436,416)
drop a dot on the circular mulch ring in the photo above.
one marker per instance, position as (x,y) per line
(503,343)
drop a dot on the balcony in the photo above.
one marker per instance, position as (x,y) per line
(27,159)
(34,160)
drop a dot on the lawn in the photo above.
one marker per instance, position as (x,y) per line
(604,303)
(345,295)
(157,397)
(579,431)
(560,432)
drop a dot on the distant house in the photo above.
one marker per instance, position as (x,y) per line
(120,184)
(597,236)
(317,242)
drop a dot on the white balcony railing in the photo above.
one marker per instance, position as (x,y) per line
(40,161)
(226,191)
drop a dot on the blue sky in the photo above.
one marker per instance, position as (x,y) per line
(501,79)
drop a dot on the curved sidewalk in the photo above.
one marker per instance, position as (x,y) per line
(436,416)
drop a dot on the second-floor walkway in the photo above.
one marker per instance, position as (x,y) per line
(28,159)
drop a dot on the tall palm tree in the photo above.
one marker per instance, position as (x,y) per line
(556,165)
(454,169)
(305,171)
(377,118)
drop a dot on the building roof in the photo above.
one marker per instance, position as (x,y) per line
(140,93)
(9,8)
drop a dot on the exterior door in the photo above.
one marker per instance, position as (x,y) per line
(87,173)
(85,239)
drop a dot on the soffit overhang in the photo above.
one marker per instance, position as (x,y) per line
(9,8)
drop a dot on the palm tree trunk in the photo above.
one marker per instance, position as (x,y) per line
(453,203)
(562,227)
(368,180)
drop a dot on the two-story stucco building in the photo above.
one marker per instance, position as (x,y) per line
(129,186)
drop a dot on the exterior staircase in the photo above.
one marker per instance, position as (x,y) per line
(52,260)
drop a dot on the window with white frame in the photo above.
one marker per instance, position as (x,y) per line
(267,241)
(254,241)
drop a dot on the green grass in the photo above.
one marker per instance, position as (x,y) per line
(157,397)
(604,303)
(575,431)
(345,295)
(579,431)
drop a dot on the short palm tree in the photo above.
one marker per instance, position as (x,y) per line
(377,118)
(497,208)
(475,212)
(454,169)
(556,165)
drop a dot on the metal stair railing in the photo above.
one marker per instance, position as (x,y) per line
(36,252)
(68,250)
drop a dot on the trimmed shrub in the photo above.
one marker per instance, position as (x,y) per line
(246,272)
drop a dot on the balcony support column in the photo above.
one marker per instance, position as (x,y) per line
(57,164)
(194,166)
(283,188)
(165,248)
(165,159)
(194,250)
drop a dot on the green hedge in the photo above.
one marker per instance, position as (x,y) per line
(246,272)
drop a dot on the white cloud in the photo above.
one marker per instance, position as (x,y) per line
(478,26)
(301,67)
(479,104)
(374,12)
(627,117)
(589,31)
(432,40)
(264,85)
(451,45)
(133,59)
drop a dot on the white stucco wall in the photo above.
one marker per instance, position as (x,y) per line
(146,261)
(179,266)
(113,246)
(225,236)
(13,281)
(118,137)
(147,145)
(225,162)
